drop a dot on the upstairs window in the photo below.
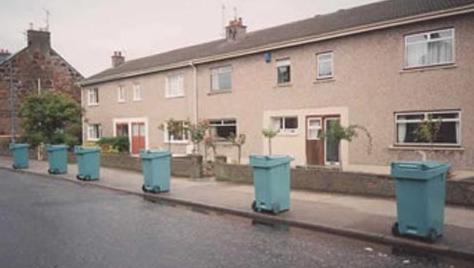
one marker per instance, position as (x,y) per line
(174,86)
(288,125)
(137,92)
(94,132)
(429,48)
(93,96)
(325,67)
(221,78)
(407,125)
(221,129)
(283,71)
(121,94)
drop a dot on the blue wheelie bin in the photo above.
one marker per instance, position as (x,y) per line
(156,170)
(420,191)
(20,155)
(271,179)
(57,158)
(88,161)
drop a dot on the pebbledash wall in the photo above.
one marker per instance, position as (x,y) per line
(369,86)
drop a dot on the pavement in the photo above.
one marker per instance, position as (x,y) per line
(368,219)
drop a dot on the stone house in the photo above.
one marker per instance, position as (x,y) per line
(386,66)
(35,68)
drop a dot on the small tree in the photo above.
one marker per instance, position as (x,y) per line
(197,133)
(51,118)
(237,141)
(174,128)
(427,132)
(269,133)
(210,143)
(337,133)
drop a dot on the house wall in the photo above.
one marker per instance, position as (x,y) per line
(370,84)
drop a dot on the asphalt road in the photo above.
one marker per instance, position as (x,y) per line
(54,223)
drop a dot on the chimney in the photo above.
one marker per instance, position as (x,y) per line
(235,30)
(117,59)
(39,39)
(4,54)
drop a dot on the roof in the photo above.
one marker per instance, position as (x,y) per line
(318,25)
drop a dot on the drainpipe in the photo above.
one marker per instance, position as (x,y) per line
(195,92)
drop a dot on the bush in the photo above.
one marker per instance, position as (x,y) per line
(114,144)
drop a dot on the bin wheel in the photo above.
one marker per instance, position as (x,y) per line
(87,178)
(254,206)
(156,189)
(144,189)
(432,235)
(275,208)
(14,166)
(395,230)
(79,177)
(49,171)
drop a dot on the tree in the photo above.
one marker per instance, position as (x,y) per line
(237,141)
(197,132)
(210,143)
(427,132)
(269,133)
(51,118)
(337,132)
(174,128)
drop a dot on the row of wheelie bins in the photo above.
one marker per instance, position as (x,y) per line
(419,186)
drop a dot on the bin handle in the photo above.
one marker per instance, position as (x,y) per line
(409,166)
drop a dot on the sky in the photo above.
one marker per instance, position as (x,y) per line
(86,32)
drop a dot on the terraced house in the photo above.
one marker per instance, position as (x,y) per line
(386,66)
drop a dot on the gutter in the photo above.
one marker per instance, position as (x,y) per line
(294,42)
(195,92)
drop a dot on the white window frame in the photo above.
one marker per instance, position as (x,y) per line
(121,94)
(223,124)
(168,93)
(425,114)
(309,127)
(319,61)
(279,124)
(137,92)
(173,140)
(90,128)
(283,63)
(453,38)
(218,71)
(93,96)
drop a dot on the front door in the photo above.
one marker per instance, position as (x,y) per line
(138,137)
(331,148)
(314,144)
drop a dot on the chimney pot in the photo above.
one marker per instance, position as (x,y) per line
(117,59)
(235,30)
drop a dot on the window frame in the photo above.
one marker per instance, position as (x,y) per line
(318,61)
(98,132)
(168,94)
(89,95)
(283,62)
(137,88)
(309,127)
(222,124)
(121,94)
(425,116)
(217,71)
(172,140)
(282,121)
(405,50)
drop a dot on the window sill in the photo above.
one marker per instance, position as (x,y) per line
(177,142)
(175,97)
(428,68)
(138,100)
(283,85)
(92,104)
(121,101)
(426,148)
(324,80)
(287,134)
(217,92)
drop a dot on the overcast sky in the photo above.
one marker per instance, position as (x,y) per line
(86,32)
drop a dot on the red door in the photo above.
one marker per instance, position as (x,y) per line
(138,137)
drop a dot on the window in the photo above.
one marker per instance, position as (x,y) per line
(283,71)
(121,130)
(222,129)
(182,136)
(221,78)
(314,128)
(174,86)
(94,132)
(137,92)
(325,66)
(121,94)
(285,124)
(407,125)
(430,48)
(93,96)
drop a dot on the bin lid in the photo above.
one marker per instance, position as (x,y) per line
(152,154)
(19,145)
(418,169)
(56,147)
(85,150)
(267,161)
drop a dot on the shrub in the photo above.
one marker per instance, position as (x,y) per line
(114,144)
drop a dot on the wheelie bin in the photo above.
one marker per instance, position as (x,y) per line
(156,171)
(271,179)
(88,161)
(20,155)
(420,191)
(57,158)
